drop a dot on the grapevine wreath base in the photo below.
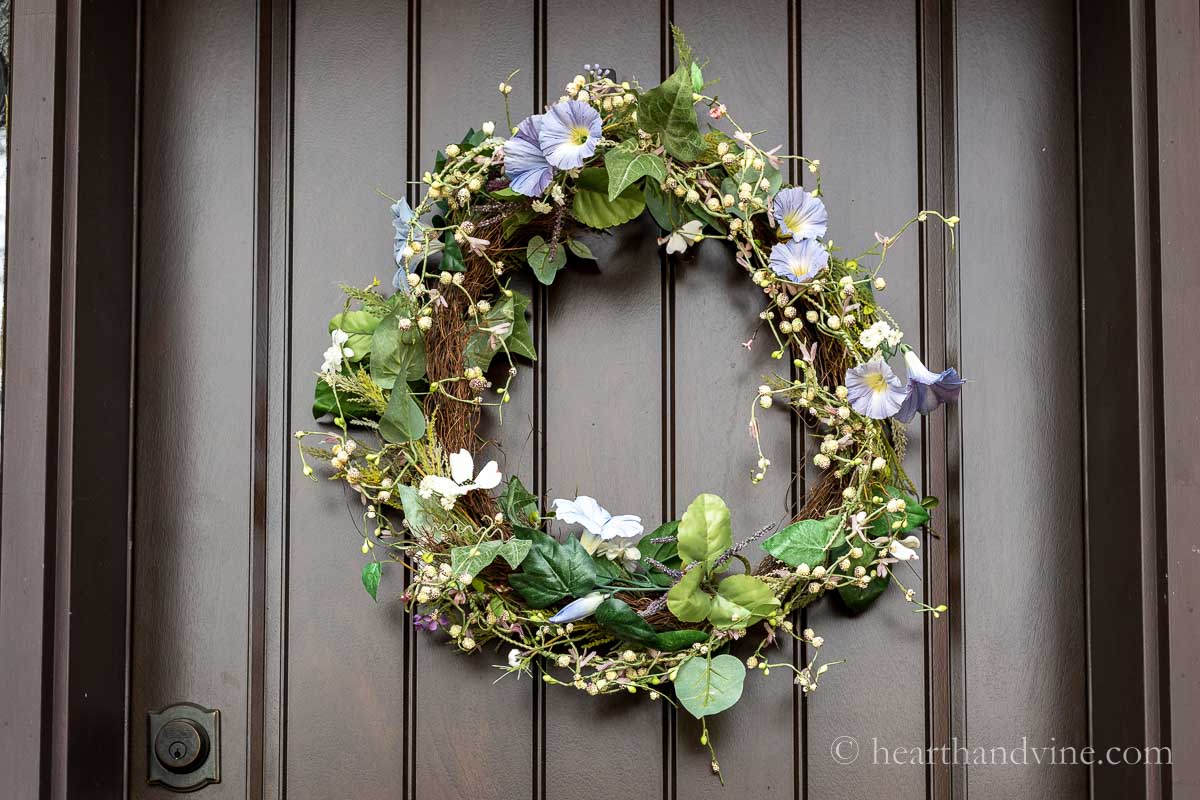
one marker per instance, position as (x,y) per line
(610,608)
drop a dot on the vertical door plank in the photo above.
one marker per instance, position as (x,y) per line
(1025,651)
(859,108)
(603,361)
(344,653)
(474,737)
(716,309)
(193,465)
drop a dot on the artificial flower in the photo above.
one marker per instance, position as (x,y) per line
(878,333)
(874,390)
(799,214)
(336,352)
(799,260)
(927,389)
(898,550)
(402,216)
(679,239)
(579,609)
(528,171)
(604,535)
(570,131)
(462,468)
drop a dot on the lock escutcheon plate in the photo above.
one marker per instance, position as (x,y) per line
(184,745)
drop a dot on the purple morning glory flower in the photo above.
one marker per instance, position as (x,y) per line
(927,389)
(798,261)
(578,609)
(402,215)
(874,390)
(528,171)
(800,214)
(569,134)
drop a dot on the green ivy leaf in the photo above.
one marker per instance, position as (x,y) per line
(626,164)
(520,507)
(396,353)
(670,641)
(706,687)
(665,553)
(371,572)
(704,531)
(403,421)
(552,571)
(741,601)
(686,600)
(537,253)
(470,560)
(619,619)
(580,249)
(592,207)
(668,109)
(359,325)
(802,542)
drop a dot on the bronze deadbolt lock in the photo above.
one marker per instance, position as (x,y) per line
(184,747)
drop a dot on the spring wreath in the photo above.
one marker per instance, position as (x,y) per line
(610,608)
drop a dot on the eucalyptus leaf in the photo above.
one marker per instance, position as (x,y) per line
(469,560)
(747,600)
(537,253)
(686,600)
(802,542)
(358,325)
(371,572)
(626,164)
(706,687)
(552,571)
(668,109)
(704,531)
(619,619)
(592,207)
(403,421)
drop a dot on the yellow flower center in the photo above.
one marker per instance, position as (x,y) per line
(876,381)
(792,221)
(579,135)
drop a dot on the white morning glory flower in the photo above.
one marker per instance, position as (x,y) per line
(874,390)
(579,609)
(604,535)
(336,352)
(680,239)
(462,469)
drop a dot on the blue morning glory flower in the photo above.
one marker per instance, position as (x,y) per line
(874,390)
(798,261)
(528,171)
(579,608)
(402,215)
(799,214)
(927,389)
(569,134)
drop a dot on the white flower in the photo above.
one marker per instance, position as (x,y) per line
(680,239)
(904,549)
(489,128)
(604,535)
(579,609)
(462,467)
(514,658)
(336,352)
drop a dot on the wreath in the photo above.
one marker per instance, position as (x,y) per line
(610,608)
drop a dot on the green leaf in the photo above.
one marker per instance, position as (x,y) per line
(359,325)
(619,619)
(592,207)
(707,687)
(704,531)
(686,600)
(608,571)
(396,353)
(506,193)
(697,78)
(668,109)
(520,341)
(671,213)
(452,256)
(470,560)
(479,350)
(626,164)
(665,553)
(515,221)
(325,403)
(537,253)
(669,641)
(580,249)
(741,601)
(403,421)
(520,507)
(371,572)
(859,599)
(418,512)
(552,571)
(802,542)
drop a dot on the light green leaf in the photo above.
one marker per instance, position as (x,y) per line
(418,512)
(707,687)
(802,542)
(470,560)
(592,207)
(370,579)
(537,253)
(686,600)
(697,78)
(520,341)
(626,164)
(580,249)
(668,109)
(704,531)
(396,353)
(741,601)
(403,421)
(359,325)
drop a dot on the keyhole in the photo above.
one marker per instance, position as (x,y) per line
(178,750)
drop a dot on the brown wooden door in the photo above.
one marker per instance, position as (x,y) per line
(264,139)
